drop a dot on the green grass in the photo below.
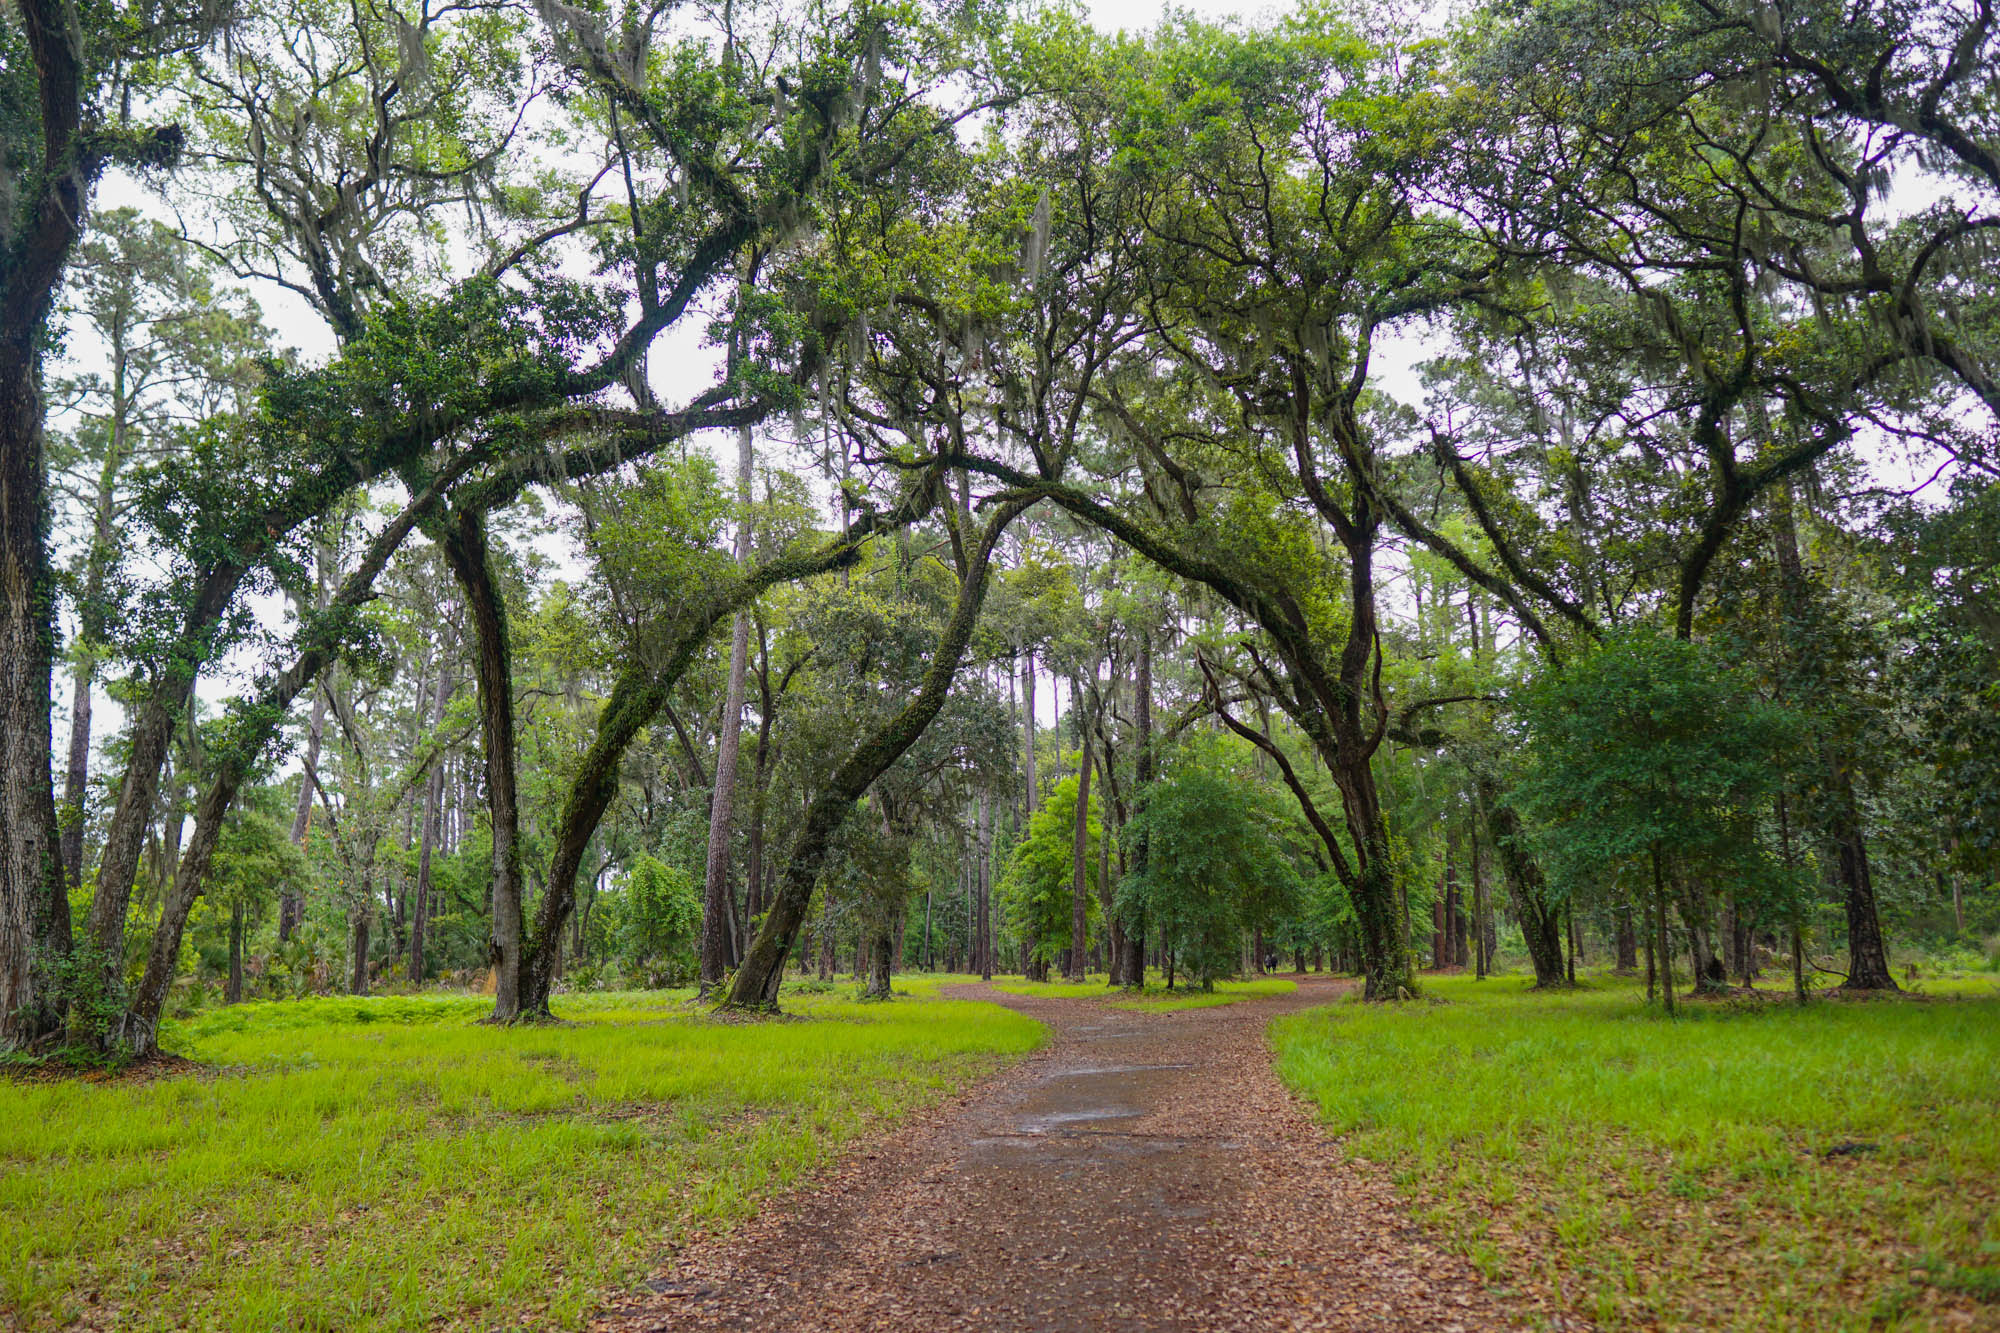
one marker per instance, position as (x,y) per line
(387,1163)
(1645,1172)
(1154,997)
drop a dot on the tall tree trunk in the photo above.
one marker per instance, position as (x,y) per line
(1074,969)
(291,904)
(466,550)
(76,773)
(984,869)
(721,809)
(1628,942)
(46,225)
(92,619)
(1482,952)
(420,899)
(880,956)
(716,899)
(1662,946)
(162,711)
(1114,930)
(757,981)
(358,982)
(1867,954)
(1028,731)
(234,993)
(1142,777)
(1541,919)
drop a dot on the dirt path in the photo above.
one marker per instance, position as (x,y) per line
(1144,1171)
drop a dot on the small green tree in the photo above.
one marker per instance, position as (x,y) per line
(659,922)
(1037,889)
(1215,864)
(254,859)
(1645,763)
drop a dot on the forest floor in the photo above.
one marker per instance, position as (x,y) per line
(1146,1170)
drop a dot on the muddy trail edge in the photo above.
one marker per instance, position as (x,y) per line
(1144,1171)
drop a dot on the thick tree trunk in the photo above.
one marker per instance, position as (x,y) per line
(1867,953)
(1628,942)
(636,697)
(757,980)
(34,906)
(717,900)
(1114,929)
(465,548)
(44,228)
(1709,974)
(881,957)
(1074,967)
(1541,919)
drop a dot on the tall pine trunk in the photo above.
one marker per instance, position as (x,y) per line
(1074,968)
(717,901)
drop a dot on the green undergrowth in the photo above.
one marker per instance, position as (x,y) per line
(390,1163)
(1155,996)
(1749,1164)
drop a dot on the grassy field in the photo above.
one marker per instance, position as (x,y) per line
(1747,1165)
(386,1163)
(1154,997)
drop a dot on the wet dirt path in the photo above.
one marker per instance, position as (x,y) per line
(1145,1171)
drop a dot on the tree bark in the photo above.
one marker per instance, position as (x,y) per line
(1662,945)
(466,550)
(983,869)
(1142,778)
(1867,952)
(1541,919)
(1628,942)
(420,898)
(34,903)
(358,981)
(716,901)
(1028,729)
(721,808)
(234,993)
(1079,885)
